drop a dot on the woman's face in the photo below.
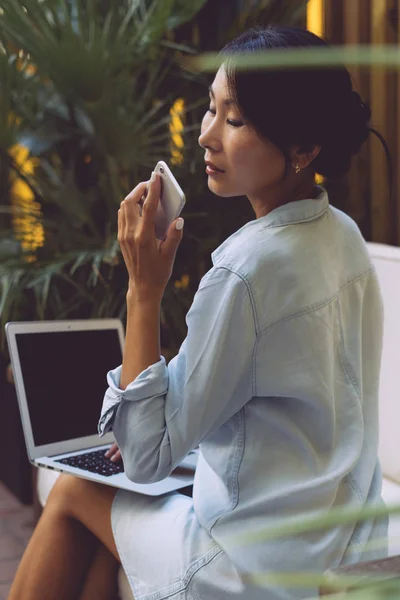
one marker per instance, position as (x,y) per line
(248,165)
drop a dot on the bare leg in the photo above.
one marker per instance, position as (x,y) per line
(101,580)
(62,548)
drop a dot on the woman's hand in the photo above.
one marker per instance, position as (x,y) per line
(114,453)
(149,261)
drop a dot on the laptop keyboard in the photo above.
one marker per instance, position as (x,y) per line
(95,462)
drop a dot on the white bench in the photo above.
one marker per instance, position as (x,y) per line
(387,262)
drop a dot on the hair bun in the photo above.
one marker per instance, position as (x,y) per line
(344,135)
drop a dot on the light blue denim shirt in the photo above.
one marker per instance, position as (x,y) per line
(277,381)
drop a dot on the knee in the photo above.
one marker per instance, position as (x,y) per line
(67,493)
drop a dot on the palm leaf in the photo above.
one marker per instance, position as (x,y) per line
(183,12)
(337,516)
(93,103)
(383,57)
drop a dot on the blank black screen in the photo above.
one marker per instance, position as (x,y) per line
(64,375)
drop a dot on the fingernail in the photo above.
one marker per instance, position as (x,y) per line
(153,177)
(179,224)
(112,458)
(106,454)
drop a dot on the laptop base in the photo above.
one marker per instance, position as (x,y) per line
(181,477)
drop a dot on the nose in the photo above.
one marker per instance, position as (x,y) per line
(210,137)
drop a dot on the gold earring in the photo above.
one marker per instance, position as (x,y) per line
(297,168)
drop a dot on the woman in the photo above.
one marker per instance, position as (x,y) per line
(277,380)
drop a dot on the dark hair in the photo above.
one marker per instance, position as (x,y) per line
(305,106)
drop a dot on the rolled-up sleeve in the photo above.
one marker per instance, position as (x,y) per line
(168,410)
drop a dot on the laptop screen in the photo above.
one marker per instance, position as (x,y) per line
(64,376)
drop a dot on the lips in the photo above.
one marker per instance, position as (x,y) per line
(214,167)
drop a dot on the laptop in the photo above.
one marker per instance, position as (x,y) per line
(60,370)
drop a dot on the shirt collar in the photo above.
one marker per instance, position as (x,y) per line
(299,211)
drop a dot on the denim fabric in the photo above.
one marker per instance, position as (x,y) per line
(277,382)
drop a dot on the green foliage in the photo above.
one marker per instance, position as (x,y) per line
(383,57)
(87,87)
(371,585)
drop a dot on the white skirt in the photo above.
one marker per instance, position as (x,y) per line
(167,554)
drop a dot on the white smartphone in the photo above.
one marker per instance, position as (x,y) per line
(172,200)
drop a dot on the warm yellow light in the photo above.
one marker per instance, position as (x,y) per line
(315,17)
(176,129)
(27,213)
(182,283)
(316,24)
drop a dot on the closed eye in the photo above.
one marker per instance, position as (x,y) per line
(234,123)
(231,122)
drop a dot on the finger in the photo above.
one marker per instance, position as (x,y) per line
(112,450)
(151,203)
(136,194)
(134,202)
(126,231)
(174,237)
(116,457)
(131,211)
(121,222)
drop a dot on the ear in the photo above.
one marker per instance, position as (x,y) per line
(304,156)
